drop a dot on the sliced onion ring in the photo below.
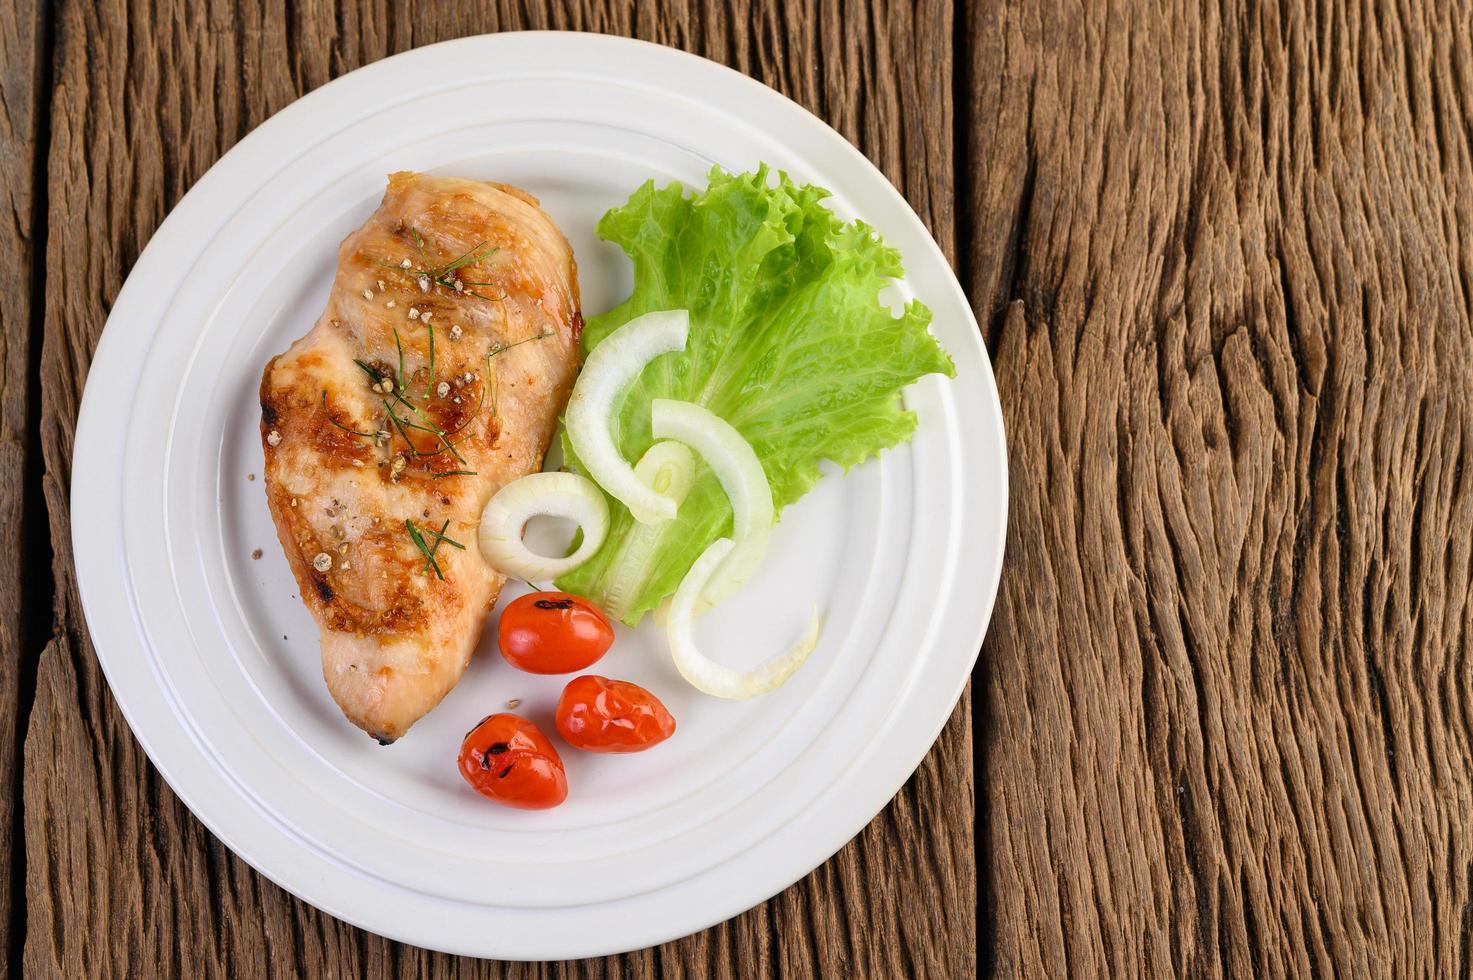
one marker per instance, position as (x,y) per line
(736,465)
(610,368)
(555,495)
(707,675)
(668,468)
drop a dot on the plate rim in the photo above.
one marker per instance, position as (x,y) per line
(90,427)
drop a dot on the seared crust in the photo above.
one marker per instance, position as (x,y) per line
(350,457)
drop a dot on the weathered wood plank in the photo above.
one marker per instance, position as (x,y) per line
(121,878)
(22,118)
(1225,251)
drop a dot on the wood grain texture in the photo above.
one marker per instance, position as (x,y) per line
(22,99)
(1224,253)
(121,880)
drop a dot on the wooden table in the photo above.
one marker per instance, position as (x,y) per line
(1222,254)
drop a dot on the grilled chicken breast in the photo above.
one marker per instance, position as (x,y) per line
(434,377)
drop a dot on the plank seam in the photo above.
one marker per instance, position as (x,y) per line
(37,592)
(963,134)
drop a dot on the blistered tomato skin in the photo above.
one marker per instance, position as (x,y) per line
(507,759)
(599,715)
(553,633)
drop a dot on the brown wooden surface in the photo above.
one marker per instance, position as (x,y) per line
(21,95)
(1222,254)
(1225,256)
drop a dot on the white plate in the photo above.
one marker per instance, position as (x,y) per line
(214,661)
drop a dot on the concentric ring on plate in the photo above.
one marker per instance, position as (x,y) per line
(210,693)
(458,858)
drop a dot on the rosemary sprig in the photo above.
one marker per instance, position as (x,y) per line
(418,536)
(335,422)
(399,384)
(398,424)
(442,274)
(440,537)
(470,257)
(471,292)
(369,370)
(496,348)
(378,378)
(396,393)
(402,424)
(424,549)
(419,244)
(418,428)
(454,473)
(443,278)
(490,382)
(437,432)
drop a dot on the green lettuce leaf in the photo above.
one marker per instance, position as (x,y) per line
(788,342)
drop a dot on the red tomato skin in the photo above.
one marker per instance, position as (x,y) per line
(553,633)
(507,759)
(596,714)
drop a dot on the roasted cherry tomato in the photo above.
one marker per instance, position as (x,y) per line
(553,633)
(600,715)
(507,759)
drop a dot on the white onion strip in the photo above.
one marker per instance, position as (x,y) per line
(555,495)
(612,366)
(707,675)
(736,465)
(668,468)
